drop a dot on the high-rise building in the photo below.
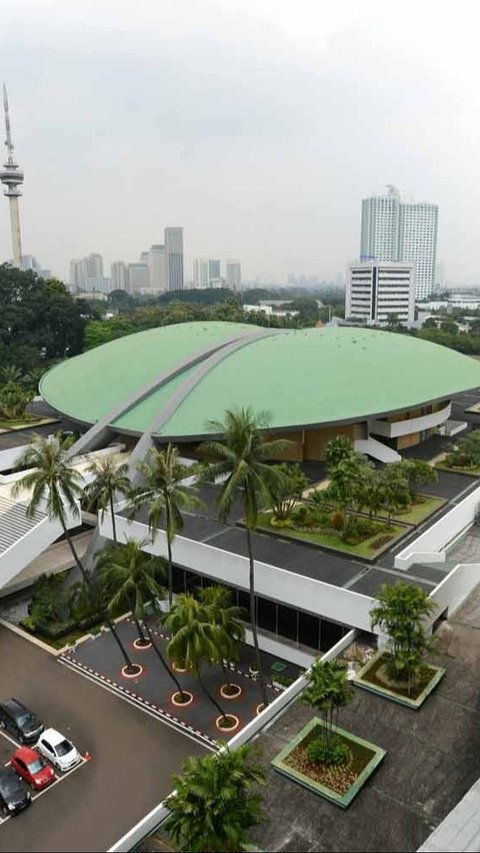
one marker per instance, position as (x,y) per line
(174,258)
(12,178)
(97,284)
(119,277)
(396,230)
(417,240)
(377,291)
(213,269)
(138,277)
(201,278)
(77,274)
(156,266)
(233,275)
(93,265)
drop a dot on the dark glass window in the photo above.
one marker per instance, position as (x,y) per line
(178,576)
(267,614)
(192,581)
(330,633)
(244,601)
(287,622)
(308,630)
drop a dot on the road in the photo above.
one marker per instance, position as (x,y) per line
(133,756)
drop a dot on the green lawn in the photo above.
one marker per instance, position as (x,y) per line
(333,541)
(473,472)
(24,423)
(418,512)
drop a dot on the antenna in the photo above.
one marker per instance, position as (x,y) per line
(8,141)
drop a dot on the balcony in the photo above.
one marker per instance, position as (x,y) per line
(396,429)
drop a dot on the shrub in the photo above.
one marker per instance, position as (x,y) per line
(333,752)
(380,541)
(337,520)
(303,516)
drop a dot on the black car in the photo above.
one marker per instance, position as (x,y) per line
(19,721)
(13,796)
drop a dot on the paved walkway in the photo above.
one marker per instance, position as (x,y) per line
(433,759)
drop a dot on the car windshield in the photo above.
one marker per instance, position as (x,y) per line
(10,784)
(25,720)
(36,766)
(63,747)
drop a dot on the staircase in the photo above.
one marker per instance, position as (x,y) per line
(371,447)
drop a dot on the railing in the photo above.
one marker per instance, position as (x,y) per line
(154,819)
(394,429)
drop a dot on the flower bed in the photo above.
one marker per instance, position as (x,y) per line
(370,548)
(374,677)
(339,784)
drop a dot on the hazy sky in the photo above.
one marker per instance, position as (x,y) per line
(258,125)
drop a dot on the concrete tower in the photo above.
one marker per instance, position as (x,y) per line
(12,178)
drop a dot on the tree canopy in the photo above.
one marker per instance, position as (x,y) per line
(39,320)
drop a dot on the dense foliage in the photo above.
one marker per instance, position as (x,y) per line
(39,320)
(328,691)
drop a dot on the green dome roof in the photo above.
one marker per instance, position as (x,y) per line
(301,378)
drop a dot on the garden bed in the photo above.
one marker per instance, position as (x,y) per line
(341,784)
(373,677)
(25,423)
(369,549)
(471,472)
(421,508)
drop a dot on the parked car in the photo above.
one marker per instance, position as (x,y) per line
(19,721)
(32,767)
(58,749)
(13,796)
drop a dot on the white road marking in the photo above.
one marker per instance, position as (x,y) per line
(58,777)
(137,705)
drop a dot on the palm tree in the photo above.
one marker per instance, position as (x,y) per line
(194,638)
(129,578)
(165,494)
(110,479)
(55,480)
(241,457)
(228,619)
(216,801)
(10,374)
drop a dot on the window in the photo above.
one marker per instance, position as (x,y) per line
(267,615)
(287,622)
(308,630)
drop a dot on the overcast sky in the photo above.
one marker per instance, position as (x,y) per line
(258,125)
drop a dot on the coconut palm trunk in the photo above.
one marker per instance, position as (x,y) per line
(169,551)
(114,524)
(83,572)
(130,666)
(253,617)
(211,696)
(164,662)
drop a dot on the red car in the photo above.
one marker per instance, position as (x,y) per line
(30,765)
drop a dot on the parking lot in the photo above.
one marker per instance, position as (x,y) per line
(133,756)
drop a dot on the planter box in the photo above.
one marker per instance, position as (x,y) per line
(389,693)
(342,800)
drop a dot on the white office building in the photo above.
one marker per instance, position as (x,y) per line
(119,275)
(233,275)
(376,292)
(201,278)
(77,274)
(174,258)
(93,265)
(138,278)
(156,266)
(397,230)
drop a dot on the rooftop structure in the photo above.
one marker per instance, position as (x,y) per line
(362,382)
(11,177)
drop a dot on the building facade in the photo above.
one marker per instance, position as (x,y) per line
(119,276)
(93,265)
(156,266)
(174,258)
(233,275)
(138,277)
(77,274)
(201,278)
(395,230)
(376,292)
(213,269)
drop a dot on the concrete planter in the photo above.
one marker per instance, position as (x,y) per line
(342,800)
(361,681)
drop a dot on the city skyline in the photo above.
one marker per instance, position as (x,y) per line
(265,157)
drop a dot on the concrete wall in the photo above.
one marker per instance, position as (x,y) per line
(309,594)
(454,589)
(430,545)
(406,425)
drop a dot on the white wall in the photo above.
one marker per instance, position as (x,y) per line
(429,546)
(455,588)
(398,428)
(314,596)
(9,457)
